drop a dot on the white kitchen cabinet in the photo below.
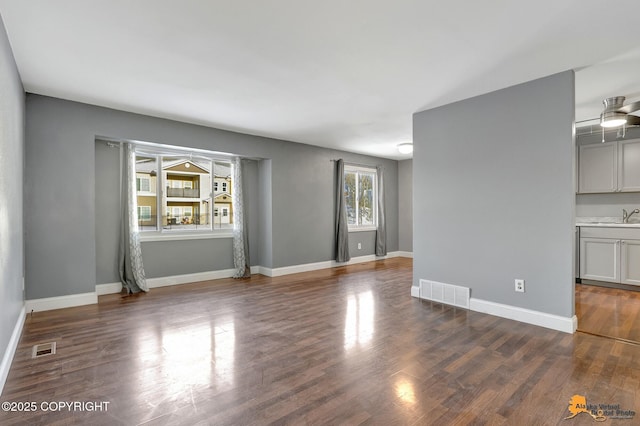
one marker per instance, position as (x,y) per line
(600,259)
(609,167)
(630,262)
(598,171)
(610,254)
(629,165)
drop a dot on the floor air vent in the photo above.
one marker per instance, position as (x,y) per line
(445,293)
(43,349)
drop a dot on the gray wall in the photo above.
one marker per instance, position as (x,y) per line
(494,196)
(265,228)
(405,205)
(66,244)
(107,213)
(11,193)
(606,204)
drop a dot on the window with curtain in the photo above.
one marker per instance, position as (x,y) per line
(360,186)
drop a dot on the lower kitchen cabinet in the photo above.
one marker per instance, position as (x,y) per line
(630,262)
(605,256)
(600,259)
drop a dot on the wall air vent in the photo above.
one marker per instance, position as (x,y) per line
(445,293)
(43,349)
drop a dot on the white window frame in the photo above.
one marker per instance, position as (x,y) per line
(349,168)
(158,152)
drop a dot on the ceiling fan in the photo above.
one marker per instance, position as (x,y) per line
(617,114)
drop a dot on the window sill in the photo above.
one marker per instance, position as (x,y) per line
(363,229)
(175,236)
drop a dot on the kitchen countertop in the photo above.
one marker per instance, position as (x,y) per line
(607,222)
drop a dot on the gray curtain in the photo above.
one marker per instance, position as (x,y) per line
(130,264)
(342,230)
(381,231)
(240,235)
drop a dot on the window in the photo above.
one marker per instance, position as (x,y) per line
(360,197)
(175,191)
(142,184)
(144,213)
(224,186)
(215,186)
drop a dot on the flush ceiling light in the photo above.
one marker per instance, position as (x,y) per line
(405,148)
(616,113)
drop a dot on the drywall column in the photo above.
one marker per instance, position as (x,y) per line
(494,195)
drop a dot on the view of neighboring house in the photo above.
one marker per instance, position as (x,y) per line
(222,208)
(146,191)
(185,202)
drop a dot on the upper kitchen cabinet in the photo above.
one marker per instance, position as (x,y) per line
(597,168)
(609,167)
(629,165)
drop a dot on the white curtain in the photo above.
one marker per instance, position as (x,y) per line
(342,230)
(381,231)
(130,264)
(240,237)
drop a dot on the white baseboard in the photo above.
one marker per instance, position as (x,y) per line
(109,288)
(542,319)
(415,291)
(112,288)
(189,278)
(308,267)
(403,254)
(60,302)
(10,351)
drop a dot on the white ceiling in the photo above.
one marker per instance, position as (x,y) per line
(334,73)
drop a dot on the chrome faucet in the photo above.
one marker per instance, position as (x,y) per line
(626,216)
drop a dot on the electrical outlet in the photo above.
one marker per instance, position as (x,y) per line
(359,246)
(520,286)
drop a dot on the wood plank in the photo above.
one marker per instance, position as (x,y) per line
(608,312)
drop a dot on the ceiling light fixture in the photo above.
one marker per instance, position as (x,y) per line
(617,114)
(611,117)
(405,148)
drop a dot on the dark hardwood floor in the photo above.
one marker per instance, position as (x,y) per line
(343,346)
(608,312)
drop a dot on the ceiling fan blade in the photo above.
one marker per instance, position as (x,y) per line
(633,120)
(634,106)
